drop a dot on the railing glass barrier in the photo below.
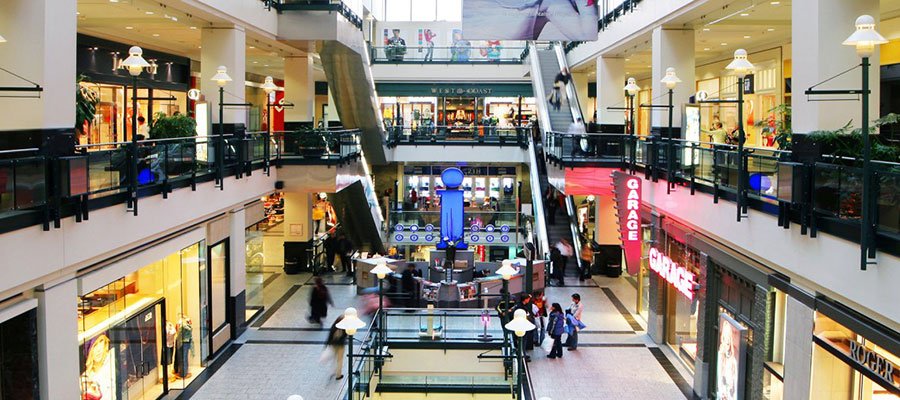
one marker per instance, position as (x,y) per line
(465,134)
(459,54)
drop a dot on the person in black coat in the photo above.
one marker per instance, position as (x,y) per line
(319,300)
(330,245)
(525,304)
(408,285)
(345,249)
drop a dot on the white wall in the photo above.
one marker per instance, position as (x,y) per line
(32,256)
(248,13)
(825,264)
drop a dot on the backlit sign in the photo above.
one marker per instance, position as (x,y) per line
(628,200)
(675,274)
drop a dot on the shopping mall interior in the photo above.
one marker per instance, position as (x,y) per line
(450,199)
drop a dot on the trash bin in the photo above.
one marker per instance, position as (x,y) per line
(295,257)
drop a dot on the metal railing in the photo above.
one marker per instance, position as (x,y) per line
(447,55)
(610,11)
(316,5)
(62,185)
(491,135)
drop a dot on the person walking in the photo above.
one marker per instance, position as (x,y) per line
(566,251)
(330,245)
(559,82)
(408,285)
(551,204)
(577,132)
(335,342)
(555,328)
(319,300)
(526,305)
(557,263)
(576,308)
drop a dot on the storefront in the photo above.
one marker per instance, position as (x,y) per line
(485,188)
(19,351)
(163,89)
(460,106)
(264,238)
(153,329)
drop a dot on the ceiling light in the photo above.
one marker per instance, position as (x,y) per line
(174,19)
(129,27)
(155,35)
(706,49)
(745,14)
(746,36)
(252,47)
(77,13)
(149,12)
(771,29)
(627,59)
(194,28)
(724,44)
(266,65)
(256,62)
(774,3)
(113,1)
(705,29)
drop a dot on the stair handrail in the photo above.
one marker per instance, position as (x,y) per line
(537,82)
(571,93)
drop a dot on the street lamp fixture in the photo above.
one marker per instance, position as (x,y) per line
(865,38)
(135,64)
(350,324)
(2,40)
(269,87)
(506,271)
(741,67)
(670,80)
(221,78)
(381,270)
(520,325)
(631,89)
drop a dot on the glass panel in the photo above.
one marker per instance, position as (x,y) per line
(424,10)
(449,10)
(218,265)
(397,10)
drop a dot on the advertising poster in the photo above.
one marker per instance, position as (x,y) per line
(530,19)
(730,359)
(98,370)
(691,133)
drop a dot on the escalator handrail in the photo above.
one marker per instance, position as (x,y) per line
(543,245)
(573,227)
(537,81)
(571,93)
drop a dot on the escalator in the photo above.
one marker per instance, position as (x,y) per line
(355,213)
(546,61)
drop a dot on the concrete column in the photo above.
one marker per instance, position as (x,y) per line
(297,216)
(798,349)
(607,225)
(300,89)
(225,47)
(237,275)
(672,48)
(818,29)
(581,89)
(40,46)
(57,326)
(610,90)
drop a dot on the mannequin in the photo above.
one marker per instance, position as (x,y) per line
(184,345)
(169,349)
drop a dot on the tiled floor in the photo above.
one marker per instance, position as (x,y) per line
(281,354)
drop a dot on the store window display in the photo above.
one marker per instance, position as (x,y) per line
(138,334)
(18,357)
(681,326)
(323,215)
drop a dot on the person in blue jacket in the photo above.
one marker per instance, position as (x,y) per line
(556,326)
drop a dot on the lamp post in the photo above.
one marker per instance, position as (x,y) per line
(865,38)
(381,270)
(741,67)
(221,78)
(631,88)
(670,80)
(269,87)
(506,271)
(135,64)
(350,324)
(520,325)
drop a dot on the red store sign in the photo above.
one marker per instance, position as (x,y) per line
(675,274)
(628,204)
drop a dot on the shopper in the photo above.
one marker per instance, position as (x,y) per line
(551,204)
(319,299)
(408,285)
(557,264)
(555,328)
(335,343)
(525,304)
(587,258)
(576,308)
(345,249)
(331,245)
(559,83)
(566,251)
(540,312)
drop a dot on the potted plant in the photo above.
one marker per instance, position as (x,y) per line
(179,155)
(86,101)
(310,144)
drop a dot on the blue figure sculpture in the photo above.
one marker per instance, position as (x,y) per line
(451,210)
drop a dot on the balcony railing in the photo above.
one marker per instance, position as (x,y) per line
(447,55)
(36,188)
(826,194)
(316,5)
(458,135)
(610,11)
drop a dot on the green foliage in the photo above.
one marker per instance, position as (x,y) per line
(86,101)
(848,142)
(311,139)
(783,133)
(176,126)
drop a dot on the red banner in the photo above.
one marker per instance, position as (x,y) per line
(628,208)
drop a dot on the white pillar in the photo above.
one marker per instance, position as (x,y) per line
(225,47)
(798,329)
(300,89)
(818,29)
(606,225)
(297,216)
(57,326)
(672,48)
(40,47)
(610,90)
